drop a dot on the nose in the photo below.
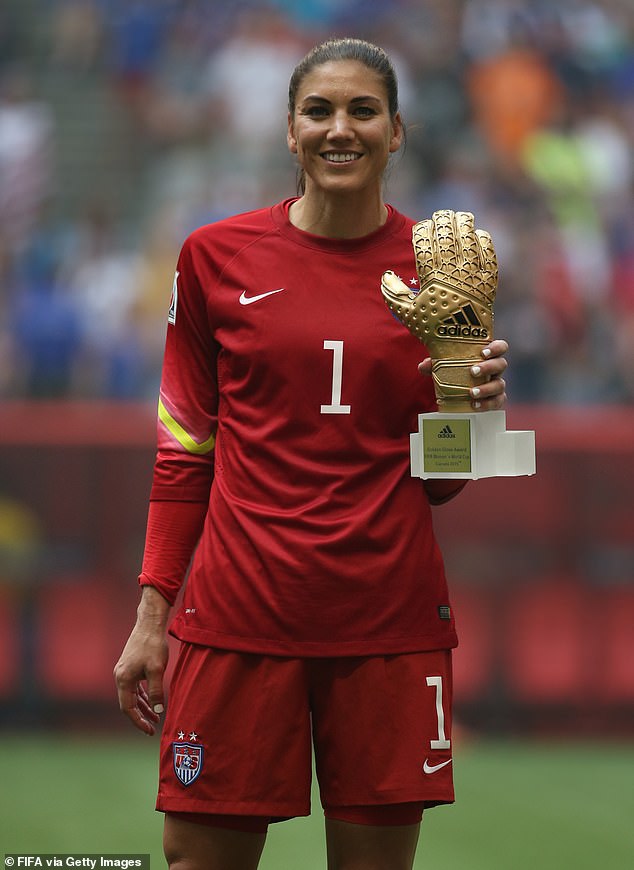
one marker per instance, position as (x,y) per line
(340,126)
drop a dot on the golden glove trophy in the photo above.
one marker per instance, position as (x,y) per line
(452,314)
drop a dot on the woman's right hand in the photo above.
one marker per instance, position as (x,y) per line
(139,672)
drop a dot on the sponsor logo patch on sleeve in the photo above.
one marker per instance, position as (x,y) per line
(171,314)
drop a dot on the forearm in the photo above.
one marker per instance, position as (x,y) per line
(173,530)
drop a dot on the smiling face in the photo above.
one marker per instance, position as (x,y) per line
(341,128)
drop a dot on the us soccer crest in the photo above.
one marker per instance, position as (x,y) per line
(188,761)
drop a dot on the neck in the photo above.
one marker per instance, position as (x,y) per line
(338,217)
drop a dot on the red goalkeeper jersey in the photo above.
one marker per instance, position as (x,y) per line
(288,394)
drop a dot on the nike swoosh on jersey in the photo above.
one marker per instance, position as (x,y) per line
(432,768)
(249,300)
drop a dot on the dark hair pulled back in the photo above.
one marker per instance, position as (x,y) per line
(369,55)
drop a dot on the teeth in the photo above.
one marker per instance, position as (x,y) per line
(340,158)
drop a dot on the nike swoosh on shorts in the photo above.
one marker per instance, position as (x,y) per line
(432,768)
(249,300)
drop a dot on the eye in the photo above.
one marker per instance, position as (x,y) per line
(365,111)
(315,111)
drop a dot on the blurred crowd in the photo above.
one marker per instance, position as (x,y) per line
(124,124)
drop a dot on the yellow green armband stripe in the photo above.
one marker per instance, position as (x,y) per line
(183,437)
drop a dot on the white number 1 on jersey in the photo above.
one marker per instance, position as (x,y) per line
(335,406)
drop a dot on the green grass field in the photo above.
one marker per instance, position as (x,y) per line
(521,806)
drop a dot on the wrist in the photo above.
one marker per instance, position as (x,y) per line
(153,607)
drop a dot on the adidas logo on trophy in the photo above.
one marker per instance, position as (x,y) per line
(446,432)
(463,323)
(452,315)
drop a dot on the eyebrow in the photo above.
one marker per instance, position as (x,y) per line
(364,99)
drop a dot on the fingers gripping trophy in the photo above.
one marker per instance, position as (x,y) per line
(452,314)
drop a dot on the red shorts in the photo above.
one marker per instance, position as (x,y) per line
(237,733)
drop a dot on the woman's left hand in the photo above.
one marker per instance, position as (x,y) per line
(491,395)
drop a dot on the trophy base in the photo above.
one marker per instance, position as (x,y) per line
(469,446)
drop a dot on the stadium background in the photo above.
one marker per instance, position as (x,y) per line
(123,125)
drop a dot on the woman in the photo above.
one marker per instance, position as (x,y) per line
(317,598)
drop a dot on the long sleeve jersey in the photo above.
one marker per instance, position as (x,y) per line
(287,397)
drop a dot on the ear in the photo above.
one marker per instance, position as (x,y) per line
(290,136)
(396,139)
